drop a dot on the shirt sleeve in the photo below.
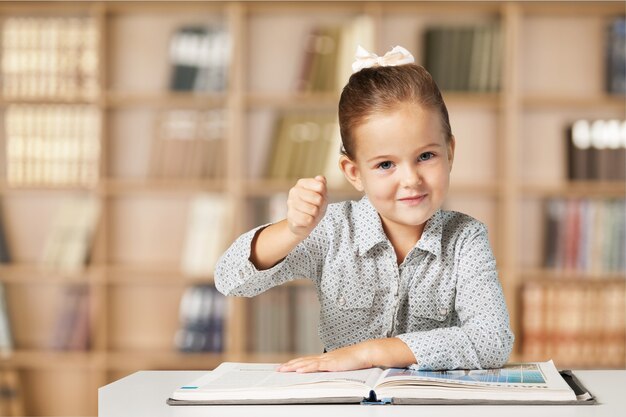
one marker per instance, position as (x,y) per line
(484,338)
(236,275)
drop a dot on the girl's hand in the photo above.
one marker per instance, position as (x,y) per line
(390,352)
(306,205)
(344,359)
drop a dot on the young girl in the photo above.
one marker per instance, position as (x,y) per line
(401,283)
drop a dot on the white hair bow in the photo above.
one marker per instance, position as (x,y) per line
(397,56)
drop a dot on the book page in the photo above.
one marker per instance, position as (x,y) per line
(538,381)
(242,375)
(542,375)
(261,382)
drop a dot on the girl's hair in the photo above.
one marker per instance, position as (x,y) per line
(380,90)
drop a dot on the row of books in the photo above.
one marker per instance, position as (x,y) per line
(616,56)
(72,324)
(72,328)
(285,319)
(575,323)
(6,336)
(320,62)
(189,144)
(202,314)
(50,58)
(464,58)
(585,235)
(11,395)
(5,253)
(596,150)
(55,145)
(200,58)
(329,53)
(69,242)
(304,144)
(204,238)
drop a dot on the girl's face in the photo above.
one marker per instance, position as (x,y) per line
(402,162)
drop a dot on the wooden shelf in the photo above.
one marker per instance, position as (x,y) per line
(8,189)
(580,189)
(326,101)
(490,129)
(4,102)
(130,361)
(55,360)
(165,100)
(556,9)
(537,102)
(151,275)
(269,187)
(117,186)
(574,277)
(32,274)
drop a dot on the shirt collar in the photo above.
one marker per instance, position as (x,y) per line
(369,230)
(432,234)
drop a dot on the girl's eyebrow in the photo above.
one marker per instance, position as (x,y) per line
(380,157)
(430,145)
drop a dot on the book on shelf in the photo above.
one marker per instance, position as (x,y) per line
(52,145)
(464,58)
(585,235)
(69,241)
(596,150)
(285,319)
(302,145)
(72,328)
(319,65)
(250,383)
(11,397)
(5,252)
(6,335)
(204,239)
(616,56)
(202,314)
(578,323)
(329,52)
(189,144)
(200,57)
(50,57)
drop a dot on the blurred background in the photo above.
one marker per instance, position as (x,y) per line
(139,139)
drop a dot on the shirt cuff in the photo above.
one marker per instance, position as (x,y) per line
(439,349)
(246,248)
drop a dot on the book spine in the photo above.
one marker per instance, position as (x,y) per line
(6,336)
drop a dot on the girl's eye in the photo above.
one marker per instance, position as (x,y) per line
(385,165)
(426,156)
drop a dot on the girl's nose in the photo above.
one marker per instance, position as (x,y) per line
(411,177)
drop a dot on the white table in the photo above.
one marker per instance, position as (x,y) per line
(144,393)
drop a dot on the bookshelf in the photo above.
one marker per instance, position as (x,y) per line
(134,277)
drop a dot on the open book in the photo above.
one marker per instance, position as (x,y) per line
(247,383)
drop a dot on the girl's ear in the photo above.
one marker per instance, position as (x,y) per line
(351,172)
(451,146)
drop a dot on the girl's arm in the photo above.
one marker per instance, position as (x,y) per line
(306,206)
(389,352)
(254,262)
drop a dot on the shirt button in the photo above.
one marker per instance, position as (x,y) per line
(342,301)
(443,311)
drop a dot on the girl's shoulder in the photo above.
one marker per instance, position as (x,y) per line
(342,212)
(460,225)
